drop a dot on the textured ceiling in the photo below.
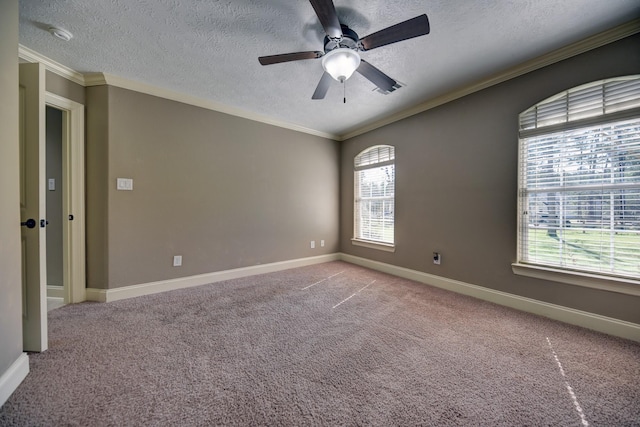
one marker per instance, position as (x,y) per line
(210,49)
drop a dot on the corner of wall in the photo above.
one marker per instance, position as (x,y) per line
(97,184)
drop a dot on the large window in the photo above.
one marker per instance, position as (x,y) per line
(374,195)
(579,180)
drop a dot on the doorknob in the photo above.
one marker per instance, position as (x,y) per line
(30,223)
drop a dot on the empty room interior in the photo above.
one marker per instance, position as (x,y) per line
(320,213)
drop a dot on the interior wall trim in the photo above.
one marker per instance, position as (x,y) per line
(29,55)
(115,294)
(596,322)
(93,79)
(12,377)
(96,79)
(54,291)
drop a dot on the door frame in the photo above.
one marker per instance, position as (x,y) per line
(73,195)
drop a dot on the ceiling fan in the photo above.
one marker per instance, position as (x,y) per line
(341,59)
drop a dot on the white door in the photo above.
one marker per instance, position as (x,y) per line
(33,206)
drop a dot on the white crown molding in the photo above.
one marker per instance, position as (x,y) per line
(95,79)
(12,377)
(596,322)
(29,55)
(585,45)
(115,294)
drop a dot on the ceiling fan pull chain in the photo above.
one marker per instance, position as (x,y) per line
(344,91)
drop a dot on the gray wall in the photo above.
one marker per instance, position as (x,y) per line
(10,276)
(54,198)
(65,88)
(456,181)
(97,182)
(222,191)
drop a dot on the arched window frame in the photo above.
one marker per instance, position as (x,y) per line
(577,150)
(374,198)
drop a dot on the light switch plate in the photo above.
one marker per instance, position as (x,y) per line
(52,184)
(125,184)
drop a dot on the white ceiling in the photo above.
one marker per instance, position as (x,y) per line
(210,48)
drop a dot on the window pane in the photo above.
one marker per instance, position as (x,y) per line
(595,155)
(377,182)
(376,220)
(579,189)
(374,195)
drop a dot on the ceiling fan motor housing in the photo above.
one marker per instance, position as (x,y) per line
(342,45)
(349,40)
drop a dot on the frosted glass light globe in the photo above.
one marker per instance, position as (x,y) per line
(341,63)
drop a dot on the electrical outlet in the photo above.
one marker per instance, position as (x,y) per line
(313,244)
(322,243)
(177,260)
(437,258)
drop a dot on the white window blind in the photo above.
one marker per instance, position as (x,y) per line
(374,194)
(592,100)
(579,182)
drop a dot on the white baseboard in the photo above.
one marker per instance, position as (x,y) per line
(55,291)
(584,319)
(109,295)
(572,316)
(12,377)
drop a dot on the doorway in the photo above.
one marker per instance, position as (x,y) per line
(65,189)
(34,184)
(54,188)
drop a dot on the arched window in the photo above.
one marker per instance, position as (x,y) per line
(374,195)
(579,180)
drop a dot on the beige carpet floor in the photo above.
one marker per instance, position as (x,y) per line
(330,344)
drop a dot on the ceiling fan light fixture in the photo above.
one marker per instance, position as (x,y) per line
(341,63)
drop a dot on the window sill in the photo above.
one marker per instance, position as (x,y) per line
(589,280)
(387,247)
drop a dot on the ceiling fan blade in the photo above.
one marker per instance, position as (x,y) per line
(323,86)
(328,17)
(418,26)
(377,77)
(286,57)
